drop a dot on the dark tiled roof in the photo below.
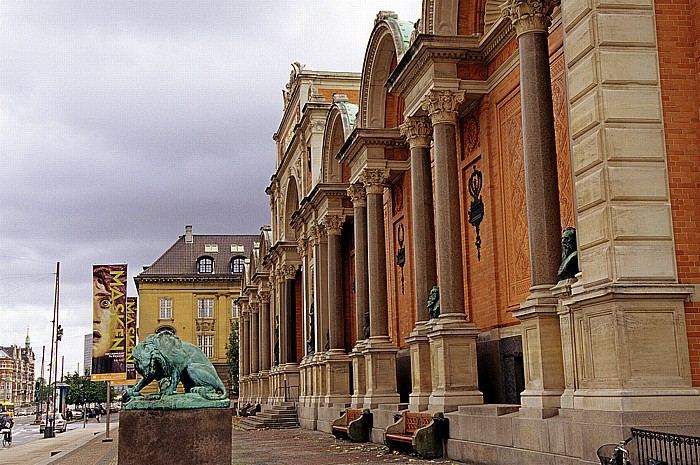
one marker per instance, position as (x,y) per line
(180,260)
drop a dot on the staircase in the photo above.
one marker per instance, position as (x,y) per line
(282,416)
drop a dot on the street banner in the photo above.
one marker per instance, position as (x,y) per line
(109,323)
(131,318)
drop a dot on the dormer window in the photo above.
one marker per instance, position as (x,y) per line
(237,248)
(211,248)
(205,265)
(237,264)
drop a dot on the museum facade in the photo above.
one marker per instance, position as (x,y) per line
(414,259)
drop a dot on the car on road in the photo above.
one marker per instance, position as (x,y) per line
(60,425)
(77,414)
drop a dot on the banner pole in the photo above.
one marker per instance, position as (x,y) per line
(109,401)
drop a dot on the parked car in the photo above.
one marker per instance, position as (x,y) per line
(60,425)
(77,414)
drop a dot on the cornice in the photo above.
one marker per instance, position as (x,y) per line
(369,137)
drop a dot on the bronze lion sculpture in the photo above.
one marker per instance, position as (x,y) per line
(163,357)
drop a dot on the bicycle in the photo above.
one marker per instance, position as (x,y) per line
(6,437)
(617,454)
(614,454)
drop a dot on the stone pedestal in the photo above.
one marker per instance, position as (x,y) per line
(421,375)
(165,437)
(359,375)
(338,376)
(380,366)
(453,356)
(542,353)
(263,386)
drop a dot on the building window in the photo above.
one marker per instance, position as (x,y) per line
(205,265)
(211,248)
(205,308)
(166,309)
(237,248)
(237,264)
(234,309)
(206,343)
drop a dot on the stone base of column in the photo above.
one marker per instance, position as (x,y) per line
(562,291)
(243,390)
(289,382)
(359,375)
(421,374)
(263,387)
(253,383)
(380,368)
(338,377)
(305,380)
(542,353)
(274,384)
(633,348)
(453,353)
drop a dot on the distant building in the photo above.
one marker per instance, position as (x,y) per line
(191,290)
(87,354)
(17,373)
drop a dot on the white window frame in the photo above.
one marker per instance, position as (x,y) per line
(206,343)
(205,311)
(235,310)
(165,309)
(211,248)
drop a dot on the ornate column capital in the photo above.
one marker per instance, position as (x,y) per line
(418,131)
(333,224)
(374,180)
(442,105)
(357,194)
(254,306)
(289,271)
(529,15)
(301,247)
(271,279)
(264,295)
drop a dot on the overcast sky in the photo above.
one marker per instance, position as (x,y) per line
(121,122)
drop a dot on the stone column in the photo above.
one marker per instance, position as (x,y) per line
(321,309)
(265,358)
(627,307)
(452,338)
(245,352)
(418,131)
(304,365)
(254,350)
(290,379)
(357,194)
(337,361)
(544,376)
(379,351)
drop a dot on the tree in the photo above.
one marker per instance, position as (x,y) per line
(95,391)
(232,359)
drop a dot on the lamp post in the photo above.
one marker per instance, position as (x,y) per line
(48,430)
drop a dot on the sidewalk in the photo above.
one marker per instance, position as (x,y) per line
(46,451)
(258,447)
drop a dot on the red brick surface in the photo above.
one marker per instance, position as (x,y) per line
(678,35)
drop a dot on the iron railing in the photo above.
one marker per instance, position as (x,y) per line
(674,449)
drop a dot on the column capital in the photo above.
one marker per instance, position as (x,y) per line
(418,131)
(271,279)
(333,224)
(529,15)
(264,295)
(301,247)
(358,195)
(289,271)
(374,180)
(442,105)
(254,306)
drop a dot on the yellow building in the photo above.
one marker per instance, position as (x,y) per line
(190,290)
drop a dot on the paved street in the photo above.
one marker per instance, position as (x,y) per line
(259,447)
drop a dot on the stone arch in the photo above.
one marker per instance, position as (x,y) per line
(387,45)
(291,204)
(339,124)
(440,17)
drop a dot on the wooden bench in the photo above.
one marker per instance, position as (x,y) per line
(419,432)
(353,424)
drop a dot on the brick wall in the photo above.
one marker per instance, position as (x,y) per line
(678,35)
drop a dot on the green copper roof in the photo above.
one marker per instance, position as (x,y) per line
(405,29)
(351,110)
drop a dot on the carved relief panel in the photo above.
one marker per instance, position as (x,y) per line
(510,138)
